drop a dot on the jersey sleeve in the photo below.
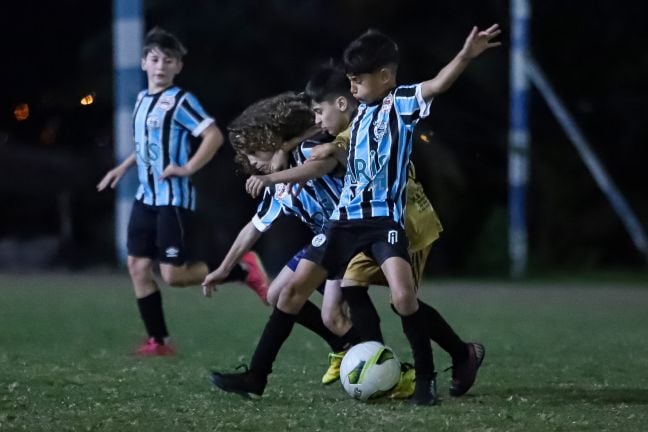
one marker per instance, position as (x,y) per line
(410,105)
(192,116)
(268,211)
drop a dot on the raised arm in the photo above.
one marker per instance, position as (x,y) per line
(476,43)
(212,140)
(246,238)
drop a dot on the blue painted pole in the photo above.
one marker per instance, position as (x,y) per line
(518,148)
(128,28)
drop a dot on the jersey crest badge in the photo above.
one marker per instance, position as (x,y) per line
(166,103)
(280,191)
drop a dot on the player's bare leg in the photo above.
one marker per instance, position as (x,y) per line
(279,282)
(333,313)
(308,276)
(401,284)
(184,275)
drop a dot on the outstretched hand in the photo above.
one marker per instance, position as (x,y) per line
(111,178)
(479,41)
(212,280)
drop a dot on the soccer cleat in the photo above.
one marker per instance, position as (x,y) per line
(425,391)
(464,373)
(332,374)
(257,278)
(406,383)
(152,348)
(244,383)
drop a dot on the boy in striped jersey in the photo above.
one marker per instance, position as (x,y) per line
(370,215)
(334,108)
(165,120)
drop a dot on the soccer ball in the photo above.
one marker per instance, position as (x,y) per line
(369,370)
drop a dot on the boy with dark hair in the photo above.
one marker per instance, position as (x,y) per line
(369,216)
(334,107)
(165,119)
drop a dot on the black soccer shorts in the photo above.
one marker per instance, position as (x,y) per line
(380,238)
(160,232)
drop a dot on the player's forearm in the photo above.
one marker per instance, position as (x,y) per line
(246,238)
(290,144)
(445,78)
(211,142)
(305,172)
(128,162)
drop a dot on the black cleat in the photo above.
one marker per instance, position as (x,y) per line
(464,373)
(245,383)
(425,392)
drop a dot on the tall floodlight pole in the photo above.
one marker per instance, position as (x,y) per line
(128,28)
(518,148)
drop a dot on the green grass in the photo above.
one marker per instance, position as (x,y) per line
(560,358)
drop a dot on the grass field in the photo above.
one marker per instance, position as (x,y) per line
(559,358)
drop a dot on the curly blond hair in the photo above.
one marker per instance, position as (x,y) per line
(266,124)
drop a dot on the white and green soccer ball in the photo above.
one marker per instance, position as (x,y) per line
(369,370)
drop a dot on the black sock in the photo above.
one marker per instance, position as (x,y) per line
(350,338)
(237,274)
(150,308)
(414,328)
(275,333)
(363,313)
(310,317)
(440,332)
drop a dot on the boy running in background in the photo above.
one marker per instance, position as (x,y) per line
(165,119)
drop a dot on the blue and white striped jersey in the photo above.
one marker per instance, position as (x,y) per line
(164,125)
(379,154)
(313,205)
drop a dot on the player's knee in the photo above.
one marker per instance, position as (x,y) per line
(291,299)
(139,270)
(404,302)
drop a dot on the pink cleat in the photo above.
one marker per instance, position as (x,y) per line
(151,348)
(256,279)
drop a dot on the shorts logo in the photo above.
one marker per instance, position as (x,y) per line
(318,240)
(166,103)
(392,237)
(172,252)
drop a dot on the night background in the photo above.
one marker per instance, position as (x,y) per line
(594,54)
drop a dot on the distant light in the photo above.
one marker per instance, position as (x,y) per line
(87,99)
(424,138)
(21,112)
